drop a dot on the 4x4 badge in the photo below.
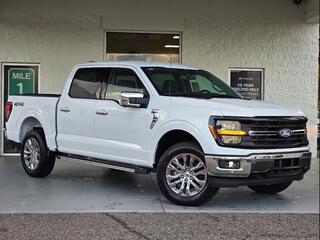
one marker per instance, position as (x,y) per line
(285,132)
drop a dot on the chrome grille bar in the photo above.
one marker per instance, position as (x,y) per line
(274,133)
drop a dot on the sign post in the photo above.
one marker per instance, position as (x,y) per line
(248,82)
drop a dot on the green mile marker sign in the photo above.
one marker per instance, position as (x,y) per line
(21,81)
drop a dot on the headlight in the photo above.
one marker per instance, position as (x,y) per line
(228,132)
(223,125)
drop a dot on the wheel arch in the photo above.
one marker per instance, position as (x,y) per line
(29,124)
(170,138)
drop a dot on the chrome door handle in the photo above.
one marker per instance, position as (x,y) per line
(102,112)
(65,109)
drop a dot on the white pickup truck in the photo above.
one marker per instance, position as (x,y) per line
(181,122)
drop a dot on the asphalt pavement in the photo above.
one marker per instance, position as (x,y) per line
(94,226)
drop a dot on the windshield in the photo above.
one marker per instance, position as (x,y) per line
(188,83)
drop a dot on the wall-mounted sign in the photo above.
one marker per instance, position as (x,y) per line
(17,78)
(21,80)
(247,82)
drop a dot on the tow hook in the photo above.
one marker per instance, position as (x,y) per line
(263,174)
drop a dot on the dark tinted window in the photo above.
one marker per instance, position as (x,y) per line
(188,83)
(88,83)
(123,80)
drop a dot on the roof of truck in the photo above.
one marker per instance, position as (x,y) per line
(137,64)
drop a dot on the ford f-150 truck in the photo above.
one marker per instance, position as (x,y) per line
(181,122)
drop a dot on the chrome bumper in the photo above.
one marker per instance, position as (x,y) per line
(246,162)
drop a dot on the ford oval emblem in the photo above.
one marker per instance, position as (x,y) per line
(285,132)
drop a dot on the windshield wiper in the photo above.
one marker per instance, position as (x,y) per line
(200,95)
(194,95)
(222,96)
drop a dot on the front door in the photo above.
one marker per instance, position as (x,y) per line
(121,132)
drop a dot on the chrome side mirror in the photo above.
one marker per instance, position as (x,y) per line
(133,99)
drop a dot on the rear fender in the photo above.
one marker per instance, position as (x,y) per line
(40,119)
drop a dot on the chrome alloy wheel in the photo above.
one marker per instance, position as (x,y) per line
(31,153)
(186,174)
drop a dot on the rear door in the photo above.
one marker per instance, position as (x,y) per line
(121,132)
(76,111)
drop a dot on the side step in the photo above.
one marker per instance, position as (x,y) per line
(104,163)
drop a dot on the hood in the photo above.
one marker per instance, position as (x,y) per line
(239,107)
(252,108)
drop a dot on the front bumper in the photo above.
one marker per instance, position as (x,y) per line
(260,165)
(249,181)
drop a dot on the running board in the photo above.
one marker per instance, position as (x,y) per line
(104,163)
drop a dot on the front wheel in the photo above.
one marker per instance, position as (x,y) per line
(270,189)
(182,175)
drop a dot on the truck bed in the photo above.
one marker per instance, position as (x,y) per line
(29,107)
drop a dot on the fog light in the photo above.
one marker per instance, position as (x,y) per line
(231,139)
(229,164)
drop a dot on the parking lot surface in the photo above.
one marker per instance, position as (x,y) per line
(78,188)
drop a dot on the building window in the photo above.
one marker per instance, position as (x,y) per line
(143,46)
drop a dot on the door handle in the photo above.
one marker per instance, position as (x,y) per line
(102,112)
(65,109)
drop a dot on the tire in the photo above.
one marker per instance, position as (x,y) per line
(270,189)
(168,167)
(37,160)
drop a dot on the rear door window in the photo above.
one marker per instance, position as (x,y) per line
(88,83)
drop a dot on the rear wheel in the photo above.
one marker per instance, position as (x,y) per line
(37,160)
(270,189)
(182,175)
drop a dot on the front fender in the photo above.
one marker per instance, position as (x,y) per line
(200,132)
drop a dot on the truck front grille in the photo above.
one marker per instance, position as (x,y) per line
(266,132)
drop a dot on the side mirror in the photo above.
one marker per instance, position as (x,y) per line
(133,99)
